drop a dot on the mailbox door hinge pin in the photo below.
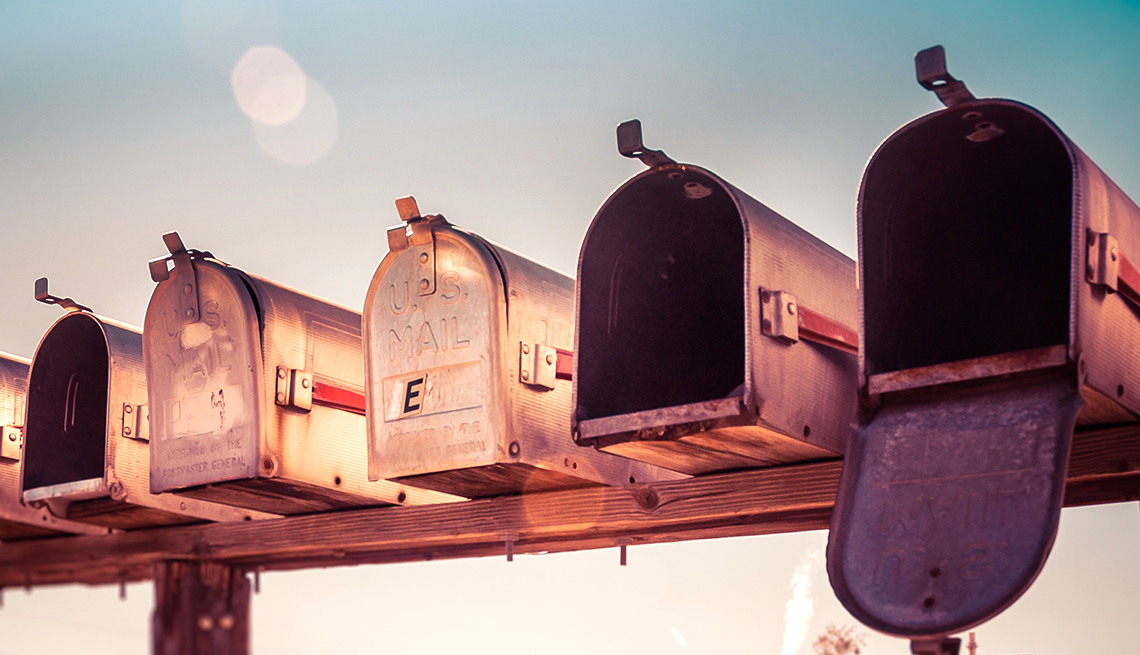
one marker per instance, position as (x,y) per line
(630,145)
(42,295)
(930,68)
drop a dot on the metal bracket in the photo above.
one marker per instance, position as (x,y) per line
(778,315)
(538,365)
(630,145)
(46,298)
(418,236)
(1103,260)
(136,422)
(930,68)
(10,441)
(294,388)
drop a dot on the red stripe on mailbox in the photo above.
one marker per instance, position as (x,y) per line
(339,398)
(823,330)
(1128,280)
(564,366)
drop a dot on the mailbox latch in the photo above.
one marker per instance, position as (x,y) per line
(10,446)
(417,235)
(136,422)
(294,388)
(778,318)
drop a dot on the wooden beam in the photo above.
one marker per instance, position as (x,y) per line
(1104,468)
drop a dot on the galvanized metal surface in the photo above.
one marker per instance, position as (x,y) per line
(948,504)
(670,322)
(224,429)
(984,262)
(86,369)
(463,390)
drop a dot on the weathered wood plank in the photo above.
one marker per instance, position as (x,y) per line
(1105,467)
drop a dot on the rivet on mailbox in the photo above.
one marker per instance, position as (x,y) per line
(256,392)
(86,455)
(19,521)
(712,332)
(999,311)
(467,349)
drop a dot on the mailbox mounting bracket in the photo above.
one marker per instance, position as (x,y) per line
(10,446)
(294,388)
(1110,268)
(540,365)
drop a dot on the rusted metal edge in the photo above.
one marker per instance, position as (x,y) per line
(969,369)
(666,416)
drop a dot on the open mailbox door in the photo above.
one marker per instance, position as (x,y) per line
(19,521)
(712,333)
(256,393)
(86,451)
(467,349)
(999,306)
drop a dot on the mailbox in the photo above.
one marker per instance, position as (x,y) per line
(18,521)
(712,332)
(999,312)
(256,392)
(86,454)
(467,349)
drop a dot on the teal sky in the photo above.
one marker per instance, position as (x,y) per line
(118,122)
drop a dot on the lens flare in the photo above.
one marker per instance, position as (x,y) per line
(269,85)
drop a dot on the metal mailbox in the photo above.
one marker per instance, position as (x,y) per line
(467,351)
(256,392)
(86,455)
(18,521)
(999,305)
(712,333)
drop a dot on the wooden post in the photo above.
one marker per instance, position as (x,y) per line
(201,608)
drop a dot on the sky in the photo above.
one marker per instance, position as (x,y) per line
(120,121)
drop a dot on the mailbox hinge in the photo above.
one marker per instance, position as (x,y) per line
(540,365)
(136,422)
(1110,268)
(294,388)
(781,317)
(12,439)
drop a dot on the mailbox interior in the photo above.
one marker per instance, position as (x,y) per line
(965,238)
(661,304)
(66,431)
